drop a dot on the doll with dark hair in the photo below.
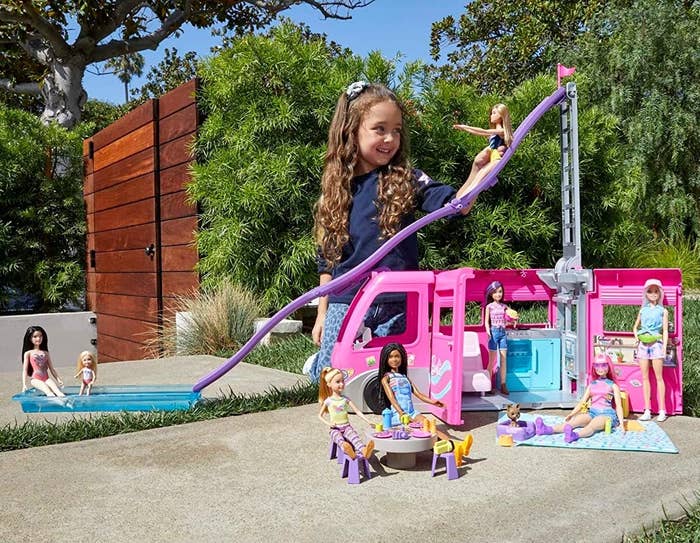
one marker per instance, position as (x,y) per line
(37,365)
(397,390)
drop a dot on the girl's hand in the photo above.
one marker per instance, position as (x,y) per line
(317,331)
(569,417)
(462,127)
(59,381)
(622,426)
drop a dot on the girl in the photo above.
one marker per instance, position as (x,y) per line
(652,339)
(87,365)
(36,363)
(500,135)
(601,392)
(368,193)
(336,405)
(495,323)
(397,389)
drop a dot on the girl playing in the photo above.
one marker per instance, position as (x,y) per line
(652,339)
(601,392)
(495,323)
(500,135)
(37,365)
(397,389)
(87,366)
(336,405)
(368,193)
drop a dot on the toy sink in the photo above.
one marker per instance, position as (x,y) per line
(111,398)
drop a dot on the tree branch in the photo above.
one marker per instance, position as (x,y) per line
(121,47)
(21,88)
(60,48)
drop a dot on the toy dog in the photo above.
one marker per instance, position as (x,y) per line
(513,413)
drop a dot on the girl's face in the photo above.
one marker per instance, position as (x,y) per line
(394,359)
(378,136)
(337,384)
(37,338)
(86,360)
(497,294)
(495,116)
(653,294)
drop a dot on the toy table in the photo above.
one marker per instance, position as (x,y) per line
(401,453)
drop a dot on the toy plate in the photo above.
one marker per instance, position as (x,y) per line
(415,425)
(420,433)
(382,435)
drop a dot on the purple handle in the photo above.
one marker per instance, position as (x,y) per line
(363,269)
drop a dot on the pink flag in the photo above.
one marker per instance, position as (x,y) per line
(563,71)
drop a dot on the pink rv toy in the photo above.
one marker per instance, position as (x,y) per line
(548,362)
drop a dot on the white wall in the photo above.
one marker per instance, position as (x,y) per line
(68,333)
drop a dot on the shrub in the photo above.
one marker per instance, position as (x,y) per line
(217,320)
(42,216)
(670,254)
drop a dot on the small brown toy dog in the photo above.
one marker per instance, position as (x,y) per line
(513,412)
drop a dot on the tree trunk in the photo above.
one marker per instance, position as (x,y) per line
(63,93)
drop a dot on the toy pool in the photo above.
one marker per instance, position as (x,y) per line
(111,398)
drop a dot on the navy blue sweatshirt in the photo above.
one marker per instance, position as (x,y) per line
(365,232)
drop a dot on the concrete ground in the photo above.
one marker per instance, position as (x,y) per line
(266,477)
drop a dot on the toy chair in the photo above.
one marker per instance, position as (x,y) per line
(474,377)
(351,469)
(450,464)
(336,452)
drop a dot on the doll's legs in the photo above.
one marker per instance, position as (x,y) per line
(480,161)
(467,441)
(88,389)
(658,365)
(492,365)
(576,422)
(644,364)
(349,440)
(48,387)
(595,425)
(82,389)
(504,354)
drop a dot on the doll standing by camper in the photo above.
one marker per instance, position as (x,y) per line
(496,315)
(651,332)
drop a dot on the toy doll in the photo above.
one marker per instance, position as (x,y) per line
(500,135)
(332,401)
(495,317)
(651,332)
(87,366)
(397,389)
(602,391)
(37,365)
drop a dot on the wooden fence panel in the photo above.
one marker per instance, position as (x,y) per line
(140,240)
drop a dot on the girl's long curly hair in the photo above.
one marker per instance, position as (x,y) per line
(396,190)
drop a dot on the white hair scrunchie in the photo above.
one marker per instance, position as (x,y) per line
(355,89)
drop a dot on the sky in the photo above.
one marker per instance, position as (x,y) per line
(389,26)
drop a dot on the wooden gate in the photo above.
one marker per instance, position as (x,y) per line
(140,229)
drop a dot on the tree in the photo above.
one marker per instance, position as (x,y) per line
(125,68)
(642,63)
(42,214)
(112,28)
(169,73)
(498,44)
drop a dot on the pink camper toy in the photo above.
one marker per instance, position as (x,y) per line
(548,362)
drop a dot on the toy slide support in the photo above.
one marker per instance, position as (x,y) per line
(362,270)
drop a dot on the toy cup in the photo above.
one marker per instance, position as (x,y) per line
(426,425)
(378,428)
(405,419)
(608,425)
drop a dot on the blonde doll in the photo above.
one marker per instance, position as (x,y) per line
(369,192)
(37,365)
(500,135)
(87,366)
(651,332)
(332,401)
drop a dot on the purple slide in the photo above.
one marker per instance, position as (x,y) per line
(362,270)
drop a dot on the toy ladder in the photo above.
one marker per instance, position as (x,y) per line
(568,278)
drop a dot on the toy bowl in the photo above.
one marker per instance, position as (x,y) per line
(522,432)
